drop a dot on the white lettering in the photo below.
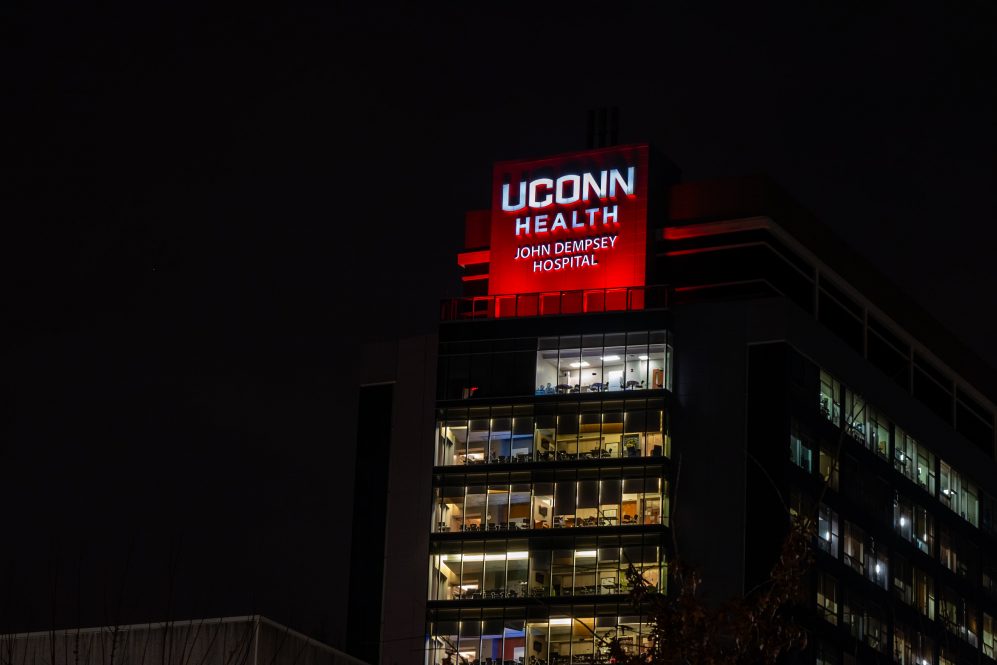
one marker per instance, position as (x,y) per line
(569,189)
(615,178)
(608,216)
(565,262)
(532,251)
(559,195)
(523,225)
(510,207)
(540,223)
(536,185)
(590,187)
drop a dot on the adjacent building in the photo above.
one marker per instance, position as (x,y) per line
(247,640)
(642,370)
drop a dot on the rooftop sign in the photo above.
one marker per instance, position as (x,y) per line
(571,222)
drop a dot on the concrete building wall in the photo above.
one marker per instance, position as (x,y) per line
(408,366)
(410,480)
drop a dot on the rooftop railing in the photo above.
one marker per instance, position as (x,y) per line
(555,303)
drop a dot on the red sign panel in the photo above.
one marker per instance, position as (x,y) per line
(571,222)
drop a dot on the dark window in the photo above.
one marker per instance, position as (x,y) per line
(892,362)
(843,300)
(974,422)
(844,323)
(935,396)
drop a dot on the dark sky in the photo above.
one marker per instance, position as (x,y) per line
(211,209)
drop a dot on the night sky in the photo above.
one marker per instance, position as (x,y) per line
(210,209)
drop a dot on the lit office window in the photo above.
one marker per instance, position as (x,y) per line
(828,468)
(552,432)
(923,649)
(913,586)
(827,597)
(581,639)
(865,620)
(903,518)
(444,643)
(608,497)
(810,457)
(914,524)
(854,547)
(958,494)
(989,578)
(477,570)
(914,460)
(903,648)
(827,531)
(830,397)
(878,427)
(924,530)
(957,554)
(475,503)
(988,636)
(958,616)
(903,583)
(543,505)
(856,417)
(448,513)
(877,564)
(853,614)
(924,593)
(875,623)
(470,641)
(798,502)
(801,452)
(948,552)
(603,363)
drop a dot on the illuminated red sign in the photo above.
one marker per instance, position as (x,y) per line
(571,222)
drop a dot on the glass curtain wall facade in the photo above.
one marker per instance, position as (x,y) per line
(903,541)
(543,500)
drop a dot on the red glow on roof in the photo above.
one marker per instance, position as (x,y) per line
(477,257)
(477,228)
(683,232)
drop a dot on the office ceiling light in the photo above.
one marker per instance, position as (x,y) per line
(611,358)
(585,553)
(499,556)
(577,365)
(642,357)
(560,622)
